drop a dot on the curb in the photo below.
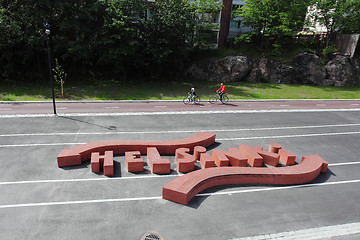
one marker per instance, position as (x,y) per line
(150,101)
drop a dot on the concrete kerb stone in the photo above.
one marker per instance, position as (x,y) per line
(178,100)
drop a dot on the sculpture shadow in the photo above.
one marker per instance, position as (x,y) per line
(213,146)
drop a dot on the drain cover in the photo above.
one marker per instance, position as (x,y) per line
(152,236)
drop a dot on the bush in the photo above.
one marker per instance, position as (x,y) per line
(328,54)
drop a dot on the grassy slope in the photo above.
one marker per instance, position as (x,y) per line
(177,90)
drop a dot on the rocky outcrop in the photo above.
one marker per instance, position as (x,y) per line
(343,71)
(231,68)
(306,68)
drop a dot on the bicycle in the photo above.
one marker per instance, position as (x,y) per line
(189,99)
(216,98)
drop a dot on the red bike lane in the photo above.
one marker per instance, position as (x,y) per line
(25,108)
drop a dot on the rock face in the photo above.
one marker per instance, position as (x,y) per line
(305,68)
(343,71)
(309,69)
(231,68)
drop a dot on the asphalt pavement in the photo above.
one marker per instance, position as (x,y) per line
(39,200)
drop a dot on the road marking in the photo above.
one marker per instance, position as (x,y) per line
(321,105)
(79,202)
(221,139)
(125,178)
(277,188)
(120,114)
(112,107)
(354,104)
(288,136)
(6,109)
(39,144)
(180,131)
(160,106)
(90,179)
(160,197)
(326,232)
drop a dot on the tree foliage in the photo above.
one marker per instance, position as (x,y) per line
(100,37)
(338,16)
(277,20)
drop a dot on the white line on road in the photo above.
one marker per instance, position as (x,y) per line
(180,131)
(126,178)
(221,139)
(121,114)
(160,197)
(288,136)
(91,179)
(39,144)
(325,232)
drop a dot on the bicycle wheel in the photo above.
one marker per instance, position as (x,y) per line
(197,100)
(213,99)
(186,100)
(225,99)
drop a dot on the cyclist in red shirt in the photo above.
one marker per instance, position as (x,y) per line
(221,91)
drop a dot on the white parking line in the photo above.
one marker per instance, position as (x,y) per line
(181,131)
(160,197)
(220,139)
(90,179)
(39,144)
(288,136)
(126,178)
(326,232)
(120,114)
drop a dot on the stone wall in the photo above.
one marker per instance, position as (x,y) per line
(305,68)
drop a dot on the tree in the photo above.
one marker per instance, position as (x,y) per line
(118,47)
(102,36)
(277,20)
(21,40)
(205,14)
(175,28)
(338,16)
(59,75)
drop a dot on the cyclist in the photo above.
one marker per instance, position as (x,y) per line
(192,94)
(221,91)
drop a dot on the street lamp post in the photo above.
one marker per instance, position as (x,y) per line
(47,32)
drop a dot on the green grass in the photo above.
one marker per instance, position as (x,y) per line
(175,90)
